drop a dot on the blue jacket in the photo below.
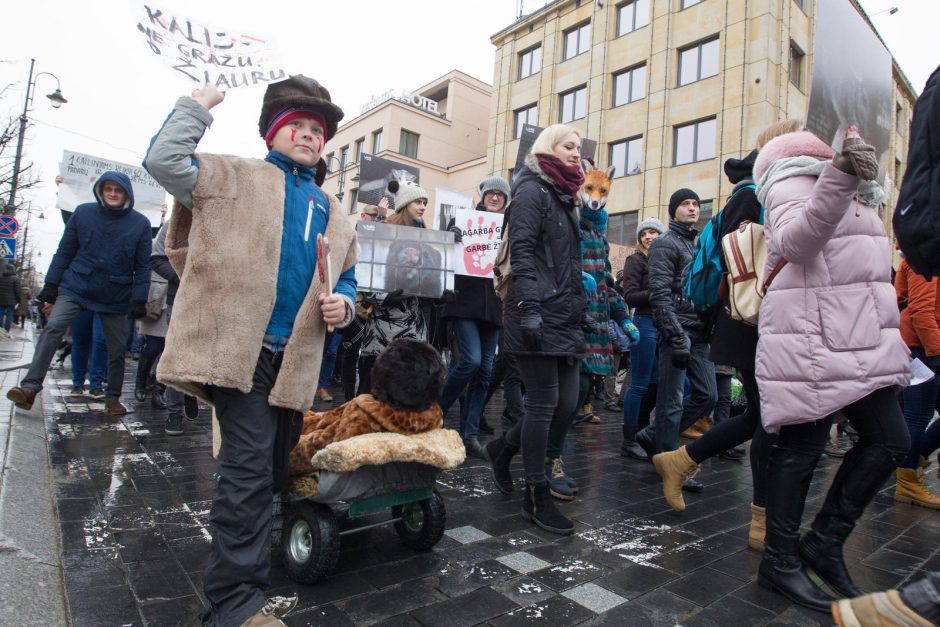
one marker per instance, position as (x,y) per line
(103,257)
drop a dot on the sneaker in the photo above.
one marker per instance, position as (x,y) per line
(735,454)
(190,407)
(594,419)
(114,407)
(22,397)
(557,481)
(77,390)
(174,424)
(96,393)
(324,395)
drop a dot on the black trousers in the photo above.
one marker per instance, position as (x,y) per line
(256,441)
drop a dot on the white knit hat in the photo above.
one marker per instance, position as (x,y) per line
(650,223)
(408,193)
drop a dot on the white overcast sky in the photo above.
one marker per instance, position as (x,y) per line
(119,94)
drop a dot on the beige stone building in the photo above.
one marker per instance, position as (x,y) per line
(440,128)
(668,88)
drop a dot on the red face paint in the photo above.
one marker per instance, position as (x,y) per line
(319,143)
(293,134)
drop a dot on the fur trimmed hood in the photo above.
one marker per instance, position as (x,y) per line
(801,144)
(363,414)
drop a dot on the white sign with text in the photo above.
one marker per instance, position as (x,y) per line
(482,233)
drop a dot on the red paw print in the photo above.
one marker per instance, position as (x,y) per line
(473,254)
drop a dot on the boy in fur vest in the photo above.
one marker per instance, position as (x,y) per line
(251,312)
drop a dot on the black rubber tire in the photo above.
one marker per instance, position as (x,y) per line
(424,522)
(309,541)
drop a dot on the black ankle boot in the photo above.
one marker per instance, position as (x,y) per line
(142,380)
(781,569)
(500,452)
(538,508)
(630,447)
(860,476)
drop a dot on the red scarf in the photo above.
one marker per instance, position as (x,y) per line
(569,178)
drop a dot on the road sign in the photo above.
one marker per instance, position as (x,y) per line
(8,247)
(8,226)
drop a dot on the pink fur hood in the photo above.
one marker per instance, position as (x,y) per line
(801,144)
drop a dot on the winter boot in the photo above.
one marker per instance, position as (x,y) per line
(860,476)
(879,609)
(630,447)
(500,452)
(539,508)
(558,485)
(755,535)
(674,467)
(699,428)
(143,379)
(157,398)
(781,569)
(912,489)
(646,443)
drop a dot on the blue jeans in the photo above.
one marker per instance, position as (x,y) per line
(88,341)
(919,405)
(644,368)
(476,342)
(672,414)
(330,346)
(6,317)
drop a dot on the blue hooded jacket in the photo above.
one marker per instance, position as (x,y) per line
(103,257)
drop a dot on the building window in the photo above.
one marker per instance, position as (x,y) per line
(344,156)
(376,142)
(685,4)
(360,144)
(629,85)
(627,156)
(573,105)
(799,3)
(706,207)
(530,62)
(528,115)
(696,141)
(621,229)
(632,15)
(698,61)
(408,144)
(898,117)
(796,65)
(353,200)
(577,40)
(328,159)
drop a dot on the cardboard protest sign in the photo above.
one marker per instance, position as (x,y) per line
(530,132)
(446,204)
(618,256)
(852,80)
(417,261)
(80,171)
(375,173)
(482,233)
(207,54)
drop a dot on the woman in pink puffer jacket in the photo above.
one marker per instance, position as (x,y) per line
(829,341)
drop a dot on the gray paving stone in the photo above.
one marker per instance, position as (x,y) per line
(467,534)
(594,598)
(523,562)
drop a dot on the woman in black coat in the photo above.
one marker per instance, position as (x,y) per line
(543,311)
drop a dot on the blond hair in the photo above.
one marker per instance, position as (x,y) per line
(776,130)
(398,217)
(551,137)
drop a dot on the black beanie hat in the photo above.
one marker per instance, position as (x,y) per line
(678,197)
(740,169)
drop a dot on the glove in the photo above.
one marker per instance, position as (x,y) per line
(934,363)
(393,298)
(857,157)
(49,293)
(458,234)
(138,310)
(588,282)
(530,323)
(681,358)
(588,323)
(449,296)
(633,334)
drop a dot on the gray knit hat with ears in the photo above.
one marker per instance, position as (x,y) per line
(495,184)
(406,193)
(650,223)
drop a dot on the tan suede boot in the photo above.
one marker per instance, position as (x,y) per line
(674,467)
(879,609)
(755,535)
(699,428)
(912,489)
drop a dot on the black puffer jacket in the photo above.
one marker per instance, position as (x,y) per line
(9,287)
(734,343)
(542,230)
(636,284)
(475,297)
(669,259)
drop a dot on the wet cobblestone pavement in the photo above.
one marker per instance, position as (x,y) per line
(133,506)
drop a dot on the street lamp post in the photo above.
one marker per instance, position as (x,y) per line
(342,175)
(57,100)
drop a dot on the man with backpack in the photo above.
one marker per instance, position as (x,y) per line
(683,348)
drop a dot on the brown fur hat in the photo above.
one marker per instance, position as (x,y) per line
(408,375)
(303,93)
